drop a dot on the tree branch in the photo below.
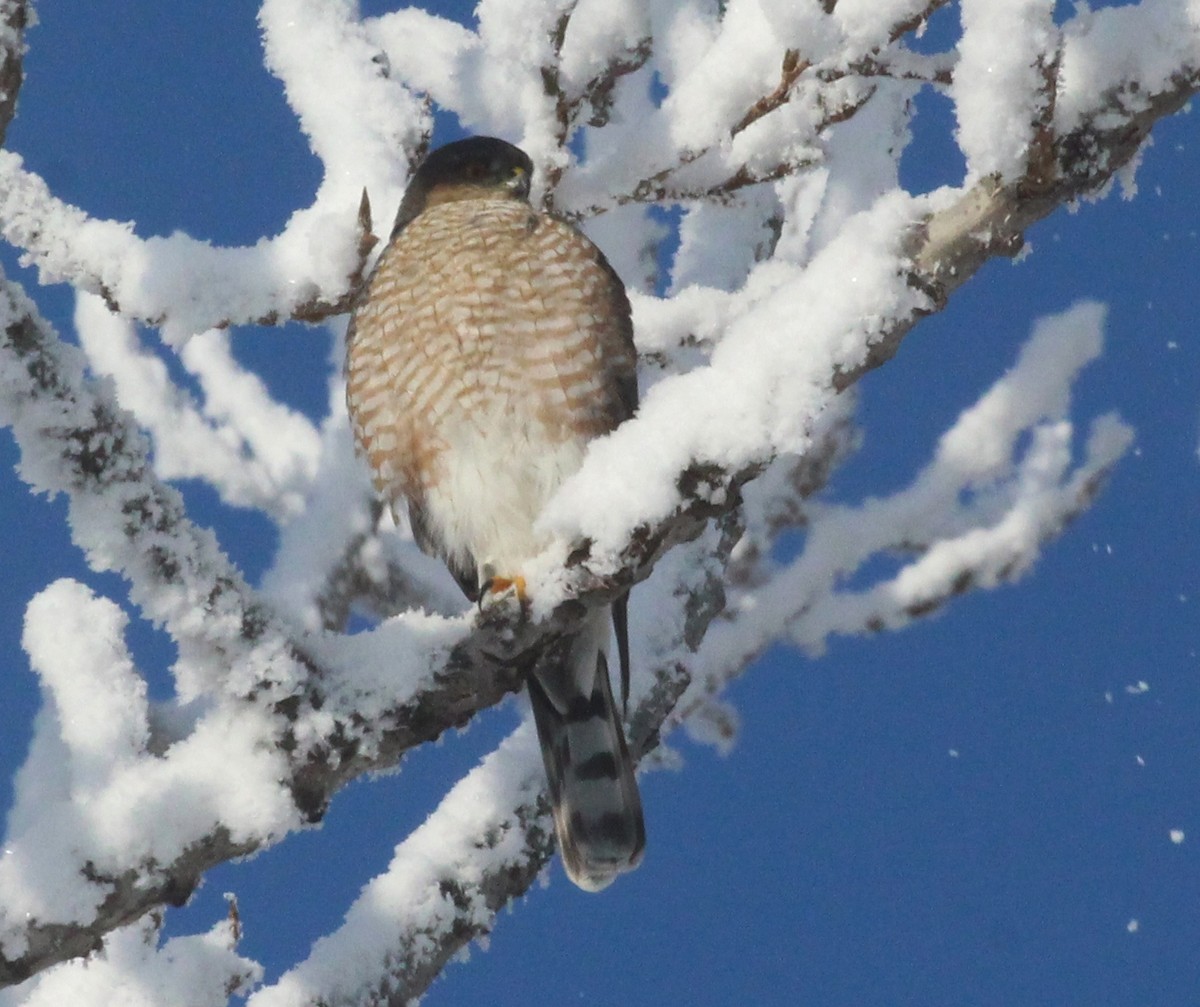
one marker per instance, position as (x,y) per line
(948,247)
(75,440)
(14,19)
(991,218)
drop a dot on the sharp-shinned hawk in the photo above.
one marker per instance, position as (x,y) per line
(491,343)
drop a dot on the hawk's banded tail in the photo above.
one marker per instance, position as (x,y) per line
(597,809)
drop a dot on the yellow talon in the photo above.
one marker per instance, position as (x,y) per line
(498,585)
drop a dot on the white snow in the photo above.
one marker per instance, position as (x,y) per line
(980,508)
(134,970)
(766,381)
(414,895)
(1000,86)
(90,785)
(1105,49)
(772,292)
(256,451)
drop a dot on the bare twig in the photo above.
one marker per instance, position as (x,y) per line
(793,66)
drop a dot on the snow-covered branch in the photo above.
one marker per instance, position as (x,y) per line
(776,130)
(14,19)
(491,835)
(312,730)
(309,272)
(996,504)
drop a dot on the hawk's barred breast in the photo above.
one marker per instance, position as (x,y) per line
(492,344)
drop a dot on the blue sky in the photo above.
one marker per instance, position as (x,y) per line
(841,855)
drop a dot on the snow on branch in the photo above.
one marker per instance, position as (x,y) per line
(256,451)
(488,839)
(135,970)
(14,19)
(491,835)
(179,283)
(1008,56)
(978,515)
(309,272)
(772,374)
(749,371)
(295,729)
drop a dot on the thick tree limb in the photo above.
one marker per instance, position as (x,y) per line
(990,219)
(948,248)
(176,571)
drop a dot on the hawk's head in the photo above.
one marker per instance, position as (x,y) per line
(480,167)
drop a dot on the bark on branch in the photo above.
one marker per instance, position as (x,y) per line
(102,461)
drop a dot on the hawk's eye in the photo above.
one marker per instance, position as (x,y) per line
(476,171)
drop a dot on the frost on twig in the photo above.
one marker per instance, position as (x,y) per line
(802,265)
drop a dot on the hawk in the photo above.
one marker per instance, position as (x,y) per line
(489,345)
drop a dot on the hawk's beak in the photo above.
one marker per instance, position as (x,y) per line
(518,184)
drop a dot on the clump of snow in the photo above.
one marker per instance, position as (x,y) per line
(713,83)
(861,164)
(440,864)
(89,786)
(871,22)
(999,87)
(445,63)
(359,117)
(75,643)
(1104,50)
(134,970)
(600,33)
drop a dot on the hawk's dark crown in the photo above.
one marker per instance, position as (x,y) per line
(479,167)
